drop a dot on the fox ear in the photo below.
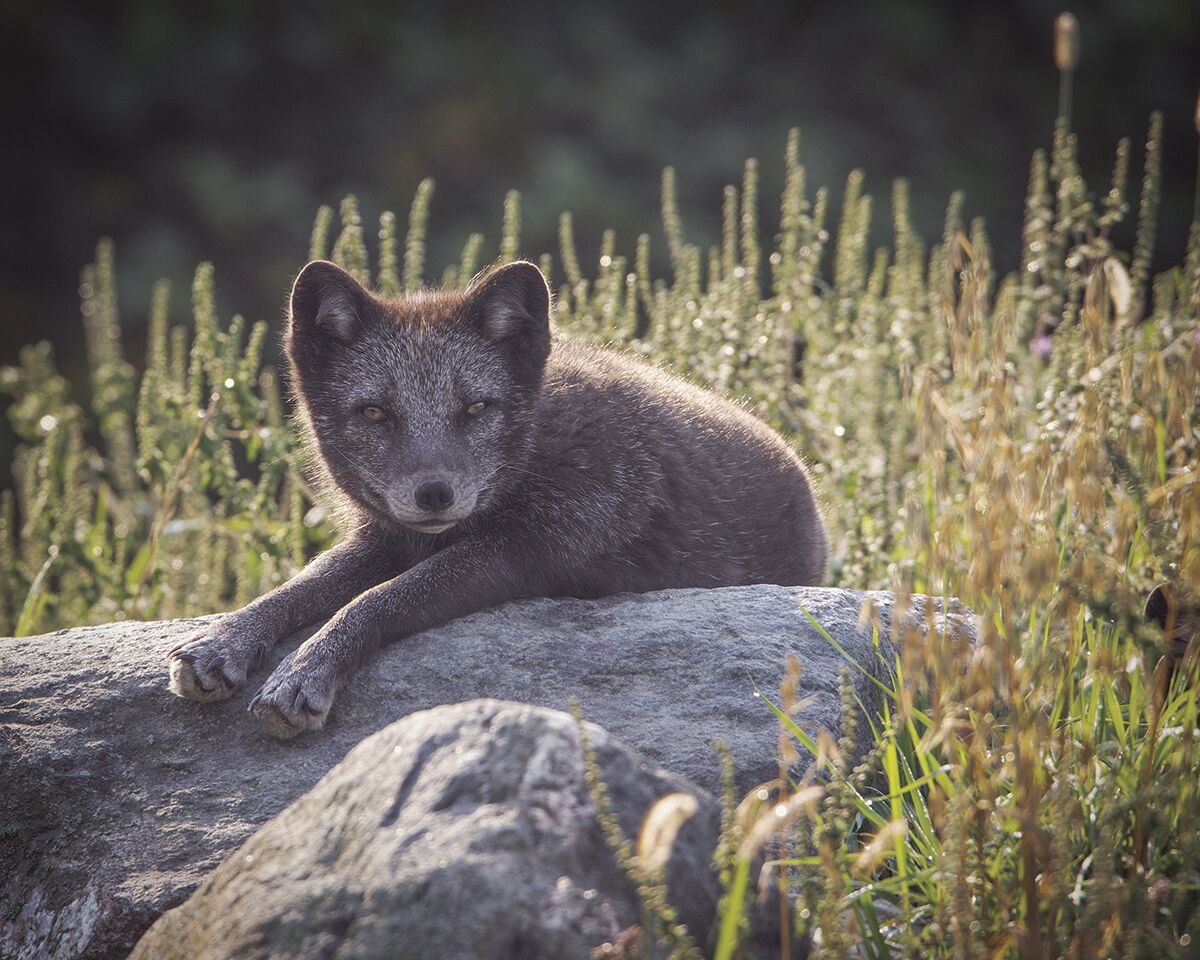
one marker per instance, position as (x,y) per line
(329,303)
(512,302)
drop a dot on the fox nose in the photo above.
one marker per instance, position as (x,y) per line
(434,495)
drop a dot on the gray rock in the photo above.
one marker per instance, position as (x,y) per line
(118,798)
(465,832)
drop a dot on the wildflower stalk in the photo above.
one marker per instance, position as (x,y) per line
(1066,58)
(386,279)
(349,250)
(418,225)
(660,921)
(318,244)
(510,234)
(1196,198)
(1143,248)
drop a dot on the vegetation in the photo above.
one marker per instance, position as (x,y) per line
(1028,444)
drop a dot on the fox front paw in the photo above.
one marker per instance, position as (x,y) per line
(210,665)
(295,699)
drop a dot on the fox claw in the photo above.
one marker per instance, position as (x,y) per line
(293,700)
(208,667)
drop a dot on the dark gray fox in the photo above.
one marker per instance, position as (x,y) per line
(479,466)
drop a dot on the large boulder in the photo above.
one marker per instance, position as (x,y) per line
(464,832)
(118,798)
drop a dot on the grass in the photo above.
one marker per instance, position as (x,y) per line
(1027,443)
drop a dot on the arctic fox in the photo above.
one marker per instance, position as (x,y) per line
(480,466)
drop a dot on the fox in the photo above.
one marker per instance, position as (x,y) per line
(480,460)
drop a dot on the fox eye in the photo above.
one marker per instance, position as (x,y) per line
(477,407)
(373,413)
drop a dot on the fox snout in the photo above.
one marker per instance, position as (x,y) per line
(431,504)
(434,496)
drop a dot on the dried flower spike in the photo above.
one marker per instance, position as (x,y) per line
(1066,42)
(661,826)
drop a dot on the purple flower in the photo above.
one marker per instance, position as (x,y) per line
(1042,346)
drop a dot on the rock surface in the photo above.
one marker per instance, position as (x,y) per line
(465,831)
(118,798)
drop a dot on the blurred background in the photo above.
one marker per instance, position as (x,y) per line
(213,131)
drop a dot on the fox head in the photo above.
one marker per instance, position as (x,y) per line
(420,406)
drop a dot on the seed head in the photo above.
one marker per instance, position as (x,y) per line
(1066,42)
(660,827)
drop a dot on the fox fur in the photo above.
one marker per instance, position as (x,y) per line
(479,462)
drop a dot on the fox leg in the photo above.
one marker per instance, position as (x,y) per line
(467,576)
(212,663)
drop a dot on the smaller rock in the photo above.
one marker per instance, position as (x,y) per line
(465,831)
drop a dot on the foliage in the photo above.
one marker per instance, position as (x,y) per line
(190,501)
(1026,443)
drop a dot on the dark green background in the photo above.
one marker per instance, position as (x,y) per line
(212,131)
